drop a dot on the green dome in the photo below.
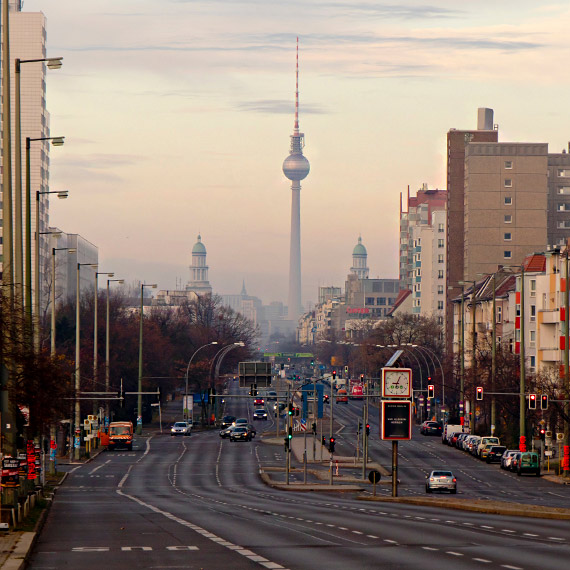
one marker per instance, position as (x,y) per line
(359,249)
(199,246)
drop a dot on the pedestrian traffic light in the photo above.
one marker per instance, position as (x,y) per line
(333,374)
(367,429)
(324,441)
(430,391)
(532,402)
(479,392)
(346,370)
(286,441)
(331,445)
(314,428)
(544,402)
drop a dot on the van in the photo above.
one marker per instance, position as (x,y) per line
(486,440)
(120,435)
(528,462)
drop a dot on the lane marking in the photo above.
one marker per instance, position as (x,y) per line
(99,467)
(484,560)
(511,567)
(453,553)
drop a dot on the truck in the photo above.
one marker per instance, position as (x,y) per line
(339,383)
(449,430)
(120,435)
(356,390)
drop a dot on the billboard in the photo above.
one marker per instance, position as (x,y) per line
(396,420)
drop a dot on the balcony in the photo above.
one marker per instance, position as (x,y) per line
(550,355)
(550,317)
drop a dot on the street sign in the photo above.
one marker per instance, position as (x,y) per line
(303,424)
(52,444)
(396,420)
(548,453)
(374,476)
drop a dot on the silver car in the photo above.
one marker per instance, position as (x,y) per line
(180,428)
(439,480)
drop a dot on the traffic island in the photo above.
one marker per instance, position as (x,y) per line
(480,506)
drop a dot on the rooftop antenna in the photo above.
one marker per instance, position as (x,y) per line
(297,90)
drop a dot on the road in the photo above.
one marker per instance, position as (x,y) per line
(198,502)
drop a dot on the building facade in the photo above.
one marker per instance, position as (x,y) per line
(199,283)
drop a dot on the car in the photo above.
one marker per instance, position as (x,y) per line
(495,454)
(514,461)
(258,401)
(485,441)
(278,406)
(271,395)
(431,428)
(528,462)
(251,429)
(460,439)
(224,433)
(240,422)
(227,421)
(439,480)
(240,433)
(507,457)
(484,451)
(180,428)
(260,414)
(342,396)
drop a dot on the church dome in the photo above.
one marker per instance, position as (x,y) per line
(359,249)
(199,247)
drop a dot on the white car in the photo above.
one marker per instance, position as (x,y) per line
(180,428)
(487,440)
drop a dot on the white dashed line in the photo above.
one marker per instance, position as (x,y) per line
(506,530)
(530,534)
(511,567)
(555,538)
(484,560)
(390,541)
(429,548)
(454,553)
(371,536)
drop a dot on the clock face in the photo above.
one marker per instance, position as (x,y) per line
(397,382)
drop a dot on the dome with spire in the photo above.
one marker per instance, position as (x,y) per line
(359,249)
(199,247)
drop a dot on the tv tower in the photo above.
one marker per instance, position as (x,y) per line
(295,167)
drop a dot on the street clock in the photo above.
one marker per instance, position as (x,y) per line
(396,382)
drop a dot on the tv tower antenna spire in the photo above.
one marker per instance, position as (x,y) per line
(296,168)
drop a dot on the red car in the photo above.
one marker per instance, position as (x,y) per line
(258,401)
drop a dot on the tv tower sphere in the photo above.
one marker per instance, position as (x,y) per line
(296,167)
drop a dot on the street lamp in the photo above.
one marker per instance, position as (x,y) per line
(62,195)
(107,344)
(53,63)
(78,356)
(187,369)
(53,282)
(95,331)
(139,396)
(222,352)
(473,348)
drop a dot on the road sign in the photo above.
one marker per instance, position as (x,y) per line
(303,424)
(374,476)
(52,444)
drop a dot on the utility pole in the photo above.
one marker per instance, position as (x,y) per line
(566,471)
(494,355)
(522,361)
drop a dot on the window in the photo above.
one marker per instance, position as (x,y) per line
(508,164)
(508,183)
(440,305)
(508,219)
(562,173)
(564,225)
(499,314)
(532,362)
(564,190)
(440,243)
(370,300)
(533,312)
(518,310)
(440,258)
(532,336)
(508,200)
(441,228)
(563,207)
(440,274)
(507,254)
(508,236)
(440,289)
(533,287)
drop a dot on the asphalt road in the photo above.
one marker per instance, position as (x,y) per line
(198,502)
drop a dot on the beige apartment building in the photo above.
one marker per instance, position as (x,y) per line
(505,204)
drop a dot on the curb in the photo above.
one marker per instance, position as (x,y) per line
(498,508)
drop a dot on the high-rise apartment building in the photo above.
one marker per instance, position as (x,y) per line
(558,198)
(28,41)
(457,140)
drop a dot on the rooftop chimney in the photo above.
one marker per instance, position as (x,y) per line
(484,119)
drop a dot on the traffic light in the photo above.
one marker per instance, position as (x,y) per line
(346,371)
(429,378)
(479,392)
(290,434)
(362,378)
(290,409)
(333,374)
(430,391)
(286,441)
(359,426)
(367,429)
(544,402)
(542,433)
(532,402)
(296,411)
(331,445)
(312,361)
(314,428)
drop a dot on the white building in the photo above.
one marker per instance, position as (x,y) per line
(199,283)
(359,260)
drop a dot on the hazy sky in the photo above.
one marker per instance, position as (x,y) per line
(177,116)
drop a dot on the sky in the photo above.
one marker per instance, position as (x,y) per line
(177,116)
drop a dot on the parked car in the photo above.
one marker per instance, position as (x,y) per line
(460,439)
(484,451)
(260,414)
(180,428)
(485,440)
(514,461)
(507,457)
(439,480)
(240,434)
(227,421)
(473,444)
(495,454)
(528,462)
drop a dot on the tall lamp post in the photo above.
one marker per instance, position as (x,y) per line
(53,283)
(222,353)
(95,327)
(187,370)
(62,195)
(77,434)
(473,348)
(52,63)
(107,344)
(139,395)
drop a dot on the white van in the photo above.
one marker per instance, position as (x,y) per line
(486,440)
